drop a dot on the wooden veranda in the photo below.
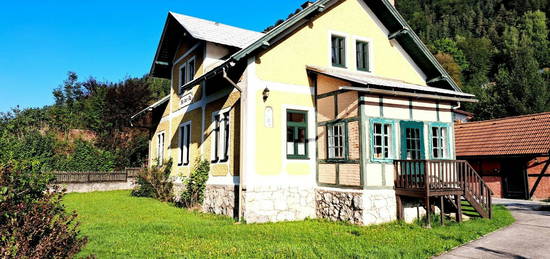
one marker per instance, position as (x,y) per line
(443,183)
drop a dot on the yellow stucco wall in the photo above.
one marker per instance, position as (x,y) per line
(270,142)
(310,45)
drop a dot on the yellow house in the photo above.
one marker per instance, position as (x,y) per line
(313,118)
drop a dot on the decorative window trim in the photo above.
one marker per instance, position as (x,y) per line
(304,125)
(182,144)
(160,147)
(447,140)
(370,42)
(215,144)
(188,73)
(393,139)
(345,140)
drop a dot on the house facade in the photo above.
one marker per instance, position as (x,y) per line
(306,119)
(511,154)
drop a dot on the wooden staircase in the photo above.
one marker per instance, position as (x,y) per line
(443,183)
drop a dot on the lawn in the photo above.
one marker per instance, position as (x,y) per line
(122,226)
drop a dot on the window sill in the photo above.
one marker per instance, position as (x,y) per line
(297,158)
(382,161)
(339,66)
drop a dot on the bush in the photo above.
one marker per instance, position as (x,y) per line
(33,223)
(155,182)
(195,185)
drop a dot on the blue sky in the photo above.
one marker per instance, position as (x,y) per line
(40,41)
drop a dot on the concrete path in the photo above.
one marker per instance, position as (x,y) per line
(528,237)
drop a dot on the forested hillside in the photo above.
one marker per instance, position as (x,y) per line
(87,129)
(496,49)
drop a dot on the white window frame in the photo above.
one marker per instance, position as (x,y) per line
(370,42)
(184,144)
(221,142)
(161,142)
(331,145)
(346,49)
(187,72)
(442,142)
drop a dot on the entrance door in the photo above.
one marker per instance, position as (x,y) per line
(513,172)
(412,148)
(412,140)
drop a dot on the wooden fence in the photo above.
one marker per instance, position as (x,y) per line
(96,177)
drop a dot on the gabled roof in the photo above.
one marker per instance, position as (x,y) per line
(521,135)
(386,13)
(216,32)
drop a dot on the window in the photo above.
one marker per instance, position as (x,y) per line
(414,150)
(296,134)
(338,51)
(439,140)
(336,141)
(362,50)
(220,145)
(382,140)
(160,148)
(187,73)
(184,143)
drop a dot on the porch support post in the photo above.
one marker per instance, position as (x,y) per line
(458,208)
(442,210)
(400,209)
(428,212)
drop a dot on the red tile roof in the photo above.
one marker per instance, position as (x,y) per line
(521,135)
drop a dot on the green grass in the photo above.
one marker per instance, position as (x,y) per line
(122,226)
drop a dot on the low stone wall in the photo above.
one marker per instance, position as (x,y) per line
(100,186)
(340,205)
(221,199)
(278,203)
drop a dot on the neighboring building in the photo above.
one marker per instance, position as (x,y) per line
(462,116)
(511,154)
(307,119)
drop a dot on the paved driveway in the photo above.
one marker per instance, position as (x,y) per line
(528,237)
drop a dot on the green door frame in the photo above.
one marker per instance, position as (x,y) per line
(404,125)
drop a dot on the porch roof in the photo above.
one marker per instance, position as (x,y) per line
(368,83)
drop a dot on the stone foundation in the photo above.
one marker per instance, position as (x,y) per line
(278,203)
(340,205)
(379,206)
(221,199)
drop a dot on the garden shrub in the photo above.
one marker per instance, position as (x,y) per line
(195,184)
(155,182)
(33,222)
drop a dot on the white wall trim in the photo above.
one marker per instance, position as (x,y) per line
(347,51)
(223,180)
(180,148)
(370,41)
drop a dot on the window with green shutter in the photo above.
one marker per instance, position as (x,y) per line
(362,51)
(338,51)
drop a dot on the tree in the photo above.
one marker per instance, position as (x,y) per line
(449,64)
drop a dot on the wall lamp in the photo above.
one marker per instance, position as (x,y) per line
(265,93)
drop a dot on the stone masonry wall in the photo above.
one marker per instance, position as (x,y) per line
(379,206)
(278,203)
(340,205)
(220,199)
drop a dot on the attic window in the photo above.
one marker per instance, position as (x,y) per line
(338,51)
(187,73)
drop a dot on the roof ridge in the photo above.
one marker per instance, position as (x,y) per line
(504,118)
(215,22)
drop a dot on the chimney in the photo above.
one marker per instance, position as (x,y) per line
(306,4)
